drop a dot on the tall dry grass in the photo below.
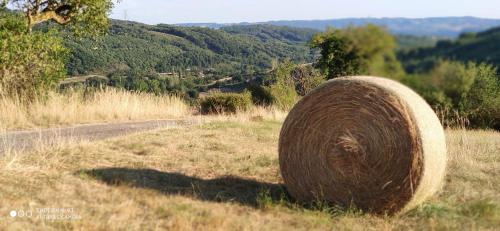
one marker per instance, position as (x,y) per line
(451,118)
(254,113)
(75,107)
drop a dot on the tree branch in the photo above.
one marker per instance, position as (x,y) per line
(49,15)
(59,14)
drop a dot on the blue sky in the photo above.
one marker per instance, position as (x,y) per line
(227,11)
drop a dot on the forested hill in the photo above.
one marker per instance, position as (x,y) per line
(269,33)
(441,27)
(167,48)
(479,47)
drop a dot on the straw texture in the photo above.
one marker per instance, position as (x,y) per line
(363,141)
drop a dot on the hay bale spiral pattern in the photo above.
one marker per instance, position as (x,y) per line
(364,141)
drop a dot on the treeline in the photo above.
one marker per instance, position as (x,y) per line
(187,87)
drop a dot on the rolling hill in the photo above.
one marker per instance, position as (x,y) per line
(167,48)
(479,47)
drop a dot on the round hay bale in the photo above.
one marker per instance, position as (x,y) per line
(363,141)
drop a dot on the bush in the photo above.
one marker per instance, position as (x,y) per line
(285,84)
(193,94)
(284,96)
(471,90)
(306,79)
(226,103)
(261,95)
(465,95)
(281,85)
(481,104)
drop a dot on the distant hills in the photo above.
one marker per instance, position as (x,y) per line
(167,48)
(244,49)
(441,27)
(479,47)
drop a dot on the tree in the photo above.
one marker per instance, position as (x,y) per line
(29,63)
(376,48)
(83,16)
(337,56)
(33,62)
(357,50)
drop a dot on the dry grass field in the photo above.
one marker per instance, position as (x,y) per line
(222,175)
(76,107)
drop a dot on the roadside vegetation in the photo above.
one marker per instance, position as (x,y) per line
(78,107)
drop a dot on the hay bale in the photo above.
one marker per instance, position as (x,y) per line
(363,141)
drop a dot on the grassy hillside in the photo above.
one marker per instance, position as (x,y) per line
(222,176)
(166,48)
(479,47)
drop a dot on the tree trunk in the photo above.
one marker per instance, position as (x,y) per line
(30,22)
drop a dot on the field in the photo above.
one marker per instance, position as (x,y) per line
(221,175)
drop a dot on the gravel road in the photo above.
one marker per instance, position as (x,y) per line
(25,140)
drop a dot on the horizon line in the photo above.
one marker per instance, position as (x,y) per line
(307,20)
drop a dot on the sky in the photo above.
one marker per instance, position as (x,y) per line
(233,11)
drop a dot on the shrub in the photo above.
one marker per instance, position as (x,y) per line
(306,79)
(226,103)
(193,94)
(282,85)
(284,96)
(471,90)
(286,83)
(261,95)
(481,104)
(464,95)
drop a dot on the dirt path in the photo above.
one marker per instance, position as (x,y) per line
(25,140)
